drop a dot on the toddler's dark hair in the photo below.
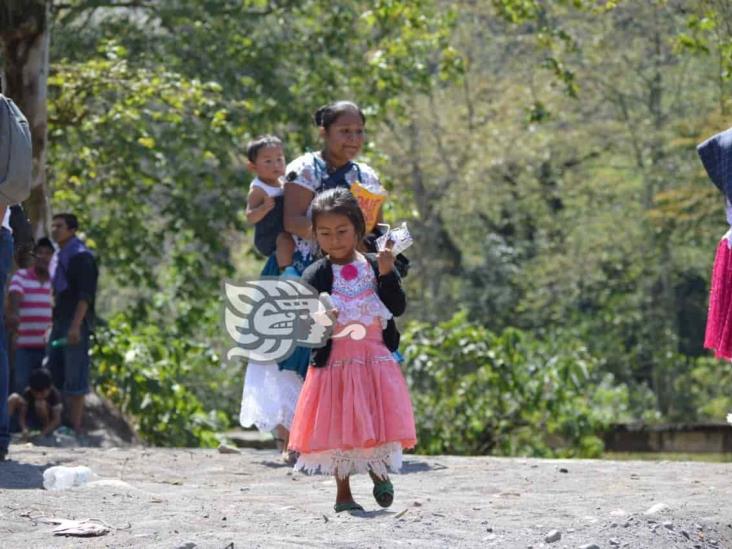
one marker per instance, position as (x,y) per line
(326,115)
(40,379)
(44,242)
(339,201)
(256,145)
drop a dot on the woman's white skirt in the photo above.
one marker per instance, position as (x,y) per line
(269,397)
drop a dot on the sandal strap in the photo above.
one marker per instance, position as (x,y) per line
(383,488)
(384,493)
(347,506)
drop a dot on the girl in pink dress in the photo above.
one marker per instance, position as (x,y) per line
(354,414)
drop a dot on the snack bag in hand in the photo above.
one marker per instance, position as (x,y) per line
(370,203)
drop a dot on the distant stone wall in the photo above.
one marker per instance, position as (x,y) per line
(677,437)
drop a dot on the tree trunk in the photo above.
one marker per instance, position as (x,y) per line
(24,37)
(440,253)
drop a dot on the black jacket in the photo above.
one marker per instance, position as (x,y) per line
(320,276)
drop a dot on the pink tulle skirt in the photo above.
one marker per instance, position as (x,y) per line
(354,414)
(718,336)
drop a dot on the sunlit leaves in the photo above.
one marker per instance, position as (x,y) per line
(477,392)
(136,151)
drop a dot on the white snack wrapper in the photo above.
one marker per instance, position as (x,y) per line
(399,236)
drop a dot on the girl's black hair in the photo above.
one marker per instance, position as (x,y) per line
(40,379)
(339,201)
(44,242)
(327,114)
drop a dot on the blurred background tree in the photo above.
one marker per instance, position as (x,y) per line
(541,152)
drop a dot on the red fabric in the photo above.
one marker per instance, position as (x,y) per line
(718,336)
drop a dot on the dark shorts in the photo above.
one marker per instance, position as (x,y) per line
(69,365)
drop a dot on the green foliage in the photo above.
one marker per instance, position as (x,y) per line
(703,391)
(149,111)
(550,35)
(708,33)
(543,153)
(143,157)
(476,392)
(589,216)
(143,370)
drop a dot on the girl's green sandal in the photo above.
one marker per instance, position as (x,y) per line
(347,506)
(384,492)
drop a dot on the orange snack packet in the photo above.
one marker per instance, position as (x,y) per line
(370,203)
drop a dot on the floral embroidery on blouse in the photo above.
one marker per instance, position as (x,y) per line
(355,294)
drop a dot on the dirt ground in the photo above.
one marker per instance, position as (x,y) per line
(200,498)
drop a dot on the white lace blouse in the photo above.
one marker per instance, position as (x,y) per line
(355,294)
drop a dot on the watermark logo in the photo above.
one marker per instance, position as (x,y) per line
(268,318)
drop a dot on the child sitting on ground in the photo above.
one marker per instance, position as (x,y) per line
(265,201)
(39,408)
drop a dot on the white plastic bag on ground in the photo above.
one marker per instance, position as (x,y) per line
(61,477)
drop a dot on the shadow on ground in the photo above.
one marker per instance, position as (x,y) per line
(408,467)
(413,466)
(21,476)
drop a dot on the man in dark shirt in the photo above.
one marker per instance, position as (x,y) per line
(74,274)
(39,407)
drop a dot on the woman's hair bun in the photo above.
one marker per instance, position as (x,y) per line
(318,116)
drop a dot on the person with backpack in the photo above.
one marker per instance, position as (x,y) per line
(16,169)
(74,275)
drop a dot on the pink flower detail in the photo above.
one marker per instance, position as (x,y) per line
(349,272)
